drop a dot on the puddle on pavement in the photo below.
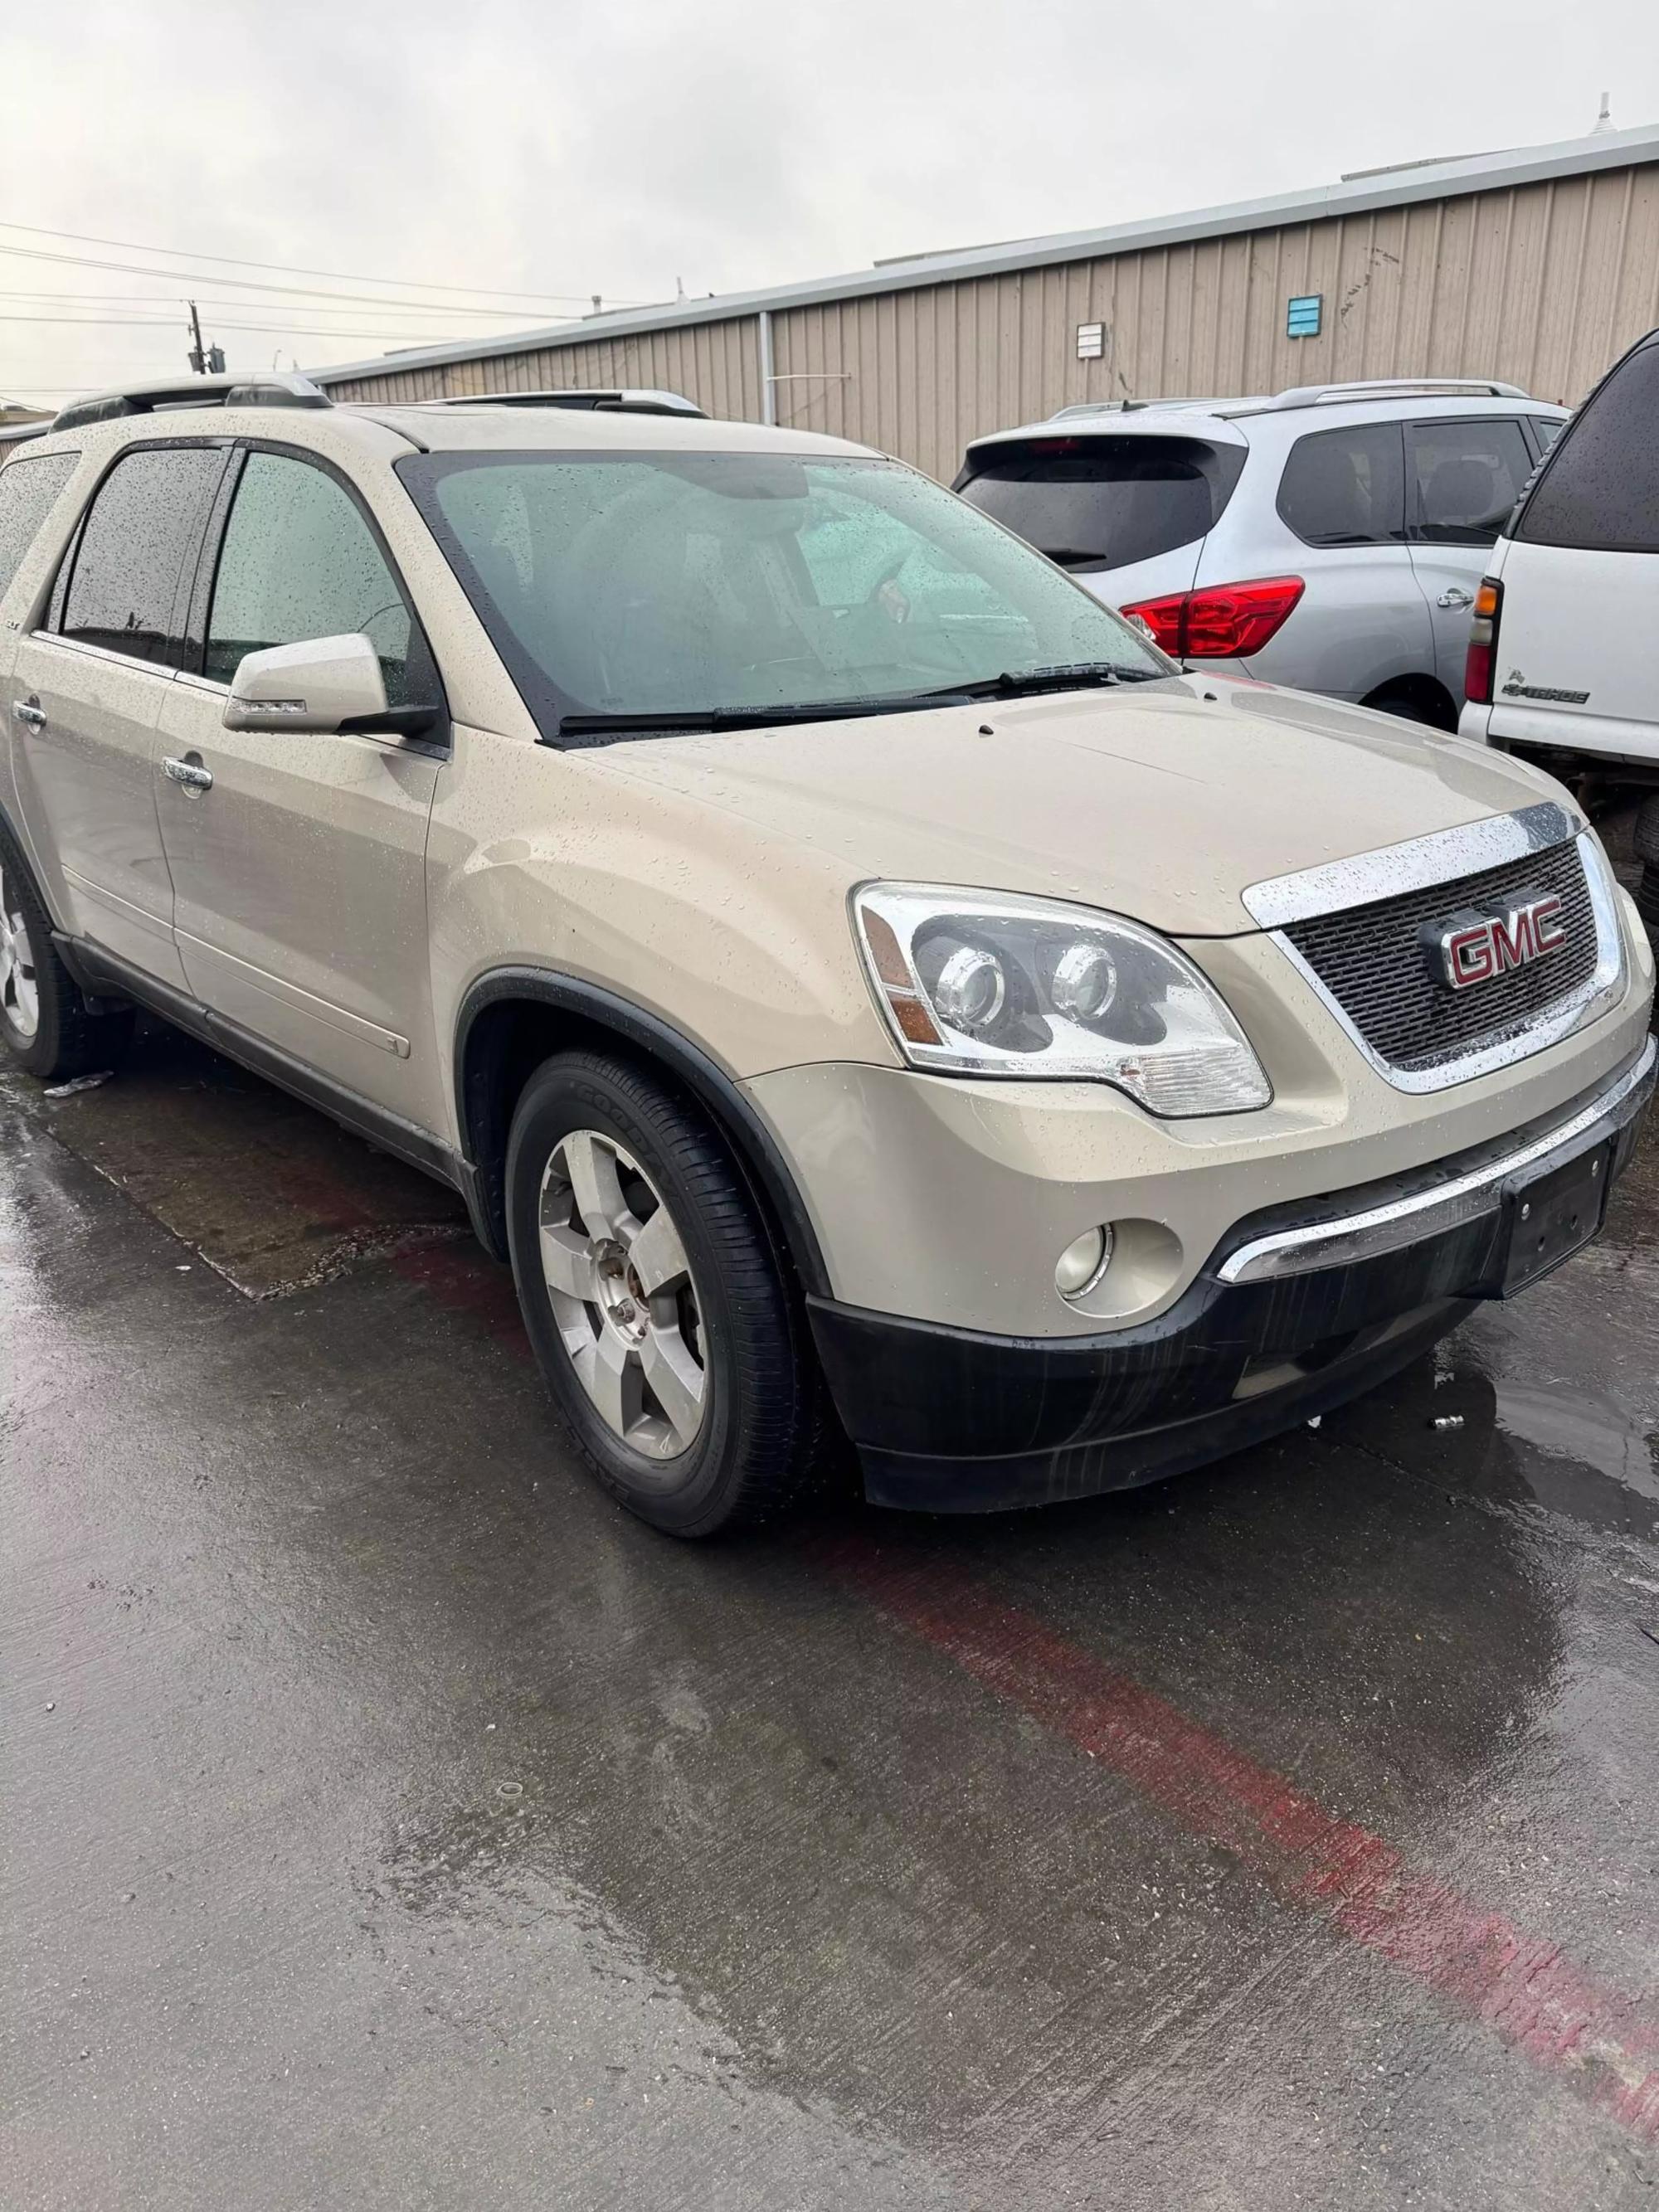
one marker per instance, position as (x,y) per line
(273,1196)
(1589,1429)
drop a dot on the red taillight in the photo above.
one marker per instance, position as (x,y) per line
(1163,618)
(1483,642)
(1223,621)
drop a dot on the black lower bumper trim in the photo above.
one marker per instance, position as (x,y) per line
(952,1419)
(919,1482)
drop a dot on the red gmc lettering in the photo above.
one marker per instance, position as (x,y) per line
(1481,951)
(1469,956)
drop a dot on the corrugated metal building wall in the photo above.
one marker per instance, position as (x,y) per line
(1541,283)
(717,364)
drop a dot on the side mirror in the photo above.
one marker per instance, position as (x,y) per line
(323,683)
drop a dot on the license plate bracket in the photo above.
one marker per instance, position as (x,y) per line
(1548,1218)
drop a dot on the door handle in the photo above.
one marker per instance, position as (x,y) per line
(30,712)
(190,774)
(1456,596)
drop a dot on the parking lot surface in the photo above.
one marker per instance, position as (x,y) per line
(389,1822)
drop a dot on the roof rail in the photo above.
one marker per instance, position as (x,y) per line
(268,390)
(1397,387)
(628,400)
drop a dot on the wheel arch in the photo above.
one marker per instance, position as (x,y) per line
(512,1018)
(1427,694)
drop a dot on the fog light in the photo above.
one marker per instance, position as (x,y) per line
(1083,1263)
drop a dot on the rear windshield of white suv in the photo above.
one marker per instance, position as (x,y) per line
(676,584)
(1103,502)
(1599,489)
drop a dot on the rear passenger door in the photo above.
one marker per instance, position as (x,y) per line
(1361,622)
(87,690)
(300,871)
(29,489)
(1463,476)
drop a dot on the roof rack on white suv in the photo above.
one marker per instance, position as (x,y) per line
(1380,388)
(1396,387)
(268,390)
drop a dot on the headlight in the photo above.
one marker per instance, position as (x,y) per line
(975,983)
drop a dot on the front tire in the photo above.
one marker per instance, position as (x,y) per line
(656,1304)
(46,1024)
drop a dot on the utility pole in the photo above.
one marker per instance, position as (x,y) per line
(197,358)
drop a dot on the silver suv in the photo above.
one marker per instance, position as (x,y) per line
(1333,537)
(842,964)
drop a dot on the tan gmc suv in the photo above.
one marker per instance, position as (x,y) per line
(843,965)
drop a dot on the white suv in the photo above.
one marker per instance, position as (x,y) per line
(1564,660)
(1333,537)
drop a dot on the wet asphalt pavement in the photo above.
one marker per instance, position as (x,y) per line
(386,1820)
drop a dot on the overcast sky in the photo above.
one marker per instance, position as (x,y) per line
(614,146)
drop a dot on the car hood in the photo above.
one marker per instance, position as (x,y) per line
(1162,802)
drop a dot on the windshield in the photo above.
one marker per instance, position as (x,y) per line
(675,584)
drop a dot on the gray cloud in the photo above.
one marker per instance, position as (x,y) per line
(578,146)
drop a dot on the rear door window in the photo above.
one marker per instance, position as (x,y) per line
(1105,502)
(136,555)
(28,490)
(1599,489)
(1465,479)
(1347,487)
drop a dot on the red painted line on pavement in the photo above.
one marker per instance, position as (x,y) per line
(1522,1988)
(465,1279)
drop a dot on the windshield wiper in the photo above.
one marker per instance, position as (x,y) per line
(1022,683)
(697,721)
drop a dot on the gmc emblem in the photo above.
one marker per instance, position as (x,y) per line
(1476,947)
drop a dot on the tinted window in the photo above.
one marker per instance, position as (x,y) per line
(299,562)
(1547,428)
(1466,478)
(143,526)
(1600,486)
(1103,502)
(28,489)
(669,583)
(1347,487)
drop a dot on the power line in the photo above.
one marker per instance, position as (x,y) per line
(317,304)
(218,323)
(249,284)
(290,269)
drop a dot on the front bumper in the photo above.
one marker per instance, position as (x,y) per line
(1301,1308)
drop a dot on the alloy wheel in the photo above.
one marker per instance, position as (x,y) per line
(20,989)
(623,1294)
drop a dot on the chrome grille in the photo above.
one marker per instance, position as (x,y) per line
(1371,959)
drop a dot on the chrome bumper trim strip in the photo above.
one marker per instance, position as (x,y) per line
(1403,1221)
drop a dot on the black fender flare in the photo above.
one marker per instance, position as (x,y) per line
(595,1007)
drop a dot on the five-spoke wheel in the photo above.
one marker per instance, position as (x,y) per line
(19,987)
(622,1290)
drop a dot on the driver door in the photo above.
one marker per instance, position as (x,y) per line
(298,859)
